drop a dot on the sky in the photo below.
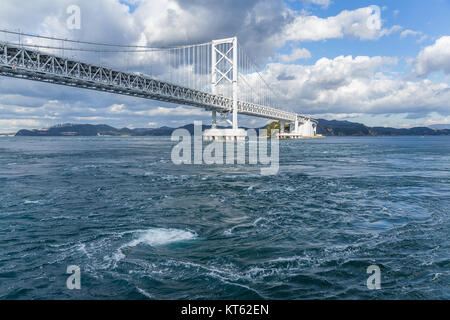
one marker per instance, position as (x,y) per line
(382,63)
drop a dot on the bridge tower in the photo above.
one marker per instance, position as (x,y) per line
(225,71)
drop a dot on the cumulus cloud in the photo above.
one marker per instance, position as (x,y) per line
(323,3)
(363,23)
(262,26)
(178,111)
(256,22)
(353,85)
(155,22)
(434,58)
(101,20)
(13,125)
(158,111)
(296,54)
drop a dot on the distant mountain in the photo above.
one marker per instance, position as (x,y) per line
(69,129)
(346,128)
(324,127)
(341,128)
(440,126)
(87,130)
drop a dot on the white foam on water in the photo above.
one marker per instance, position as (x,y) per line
(144,293)
(228,273)
(153,237)
(32,202)
(82,248)
(258,220)
(158,237)
(244,225)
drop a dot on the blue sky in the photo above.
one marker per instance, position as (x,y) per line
(331,59)
(430,17)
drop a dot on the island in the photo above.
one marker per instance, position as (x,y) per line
(324,127)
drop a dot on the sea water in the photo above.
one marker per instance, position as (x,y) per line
(140,227)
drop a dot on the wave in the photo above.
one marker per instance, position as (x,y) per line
(159,236)
(154,237)
(144,293)
(32,202)
(244,226)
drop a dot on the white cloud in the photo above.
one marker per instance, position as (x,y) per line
(438,120)
(12,125)
(412,33)
(262,26)
(323,3)
(118,109)
(256,22)
(94,118)
(353,85)
(296,54)
(158,111)
(434,58)
(178,111)
(409,32)
(363,23)
(338,116)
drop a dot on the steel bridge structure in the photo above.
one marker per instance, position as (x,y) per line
(22,62)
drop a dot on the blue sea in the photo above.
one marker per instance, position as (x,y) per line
(140,227)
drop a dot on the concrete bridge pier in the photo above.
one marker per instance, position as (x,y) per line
(216,134)
(282,129)
(239,135)
(305,130)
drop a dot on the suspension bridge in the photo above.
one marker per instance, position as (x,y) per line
(217,76)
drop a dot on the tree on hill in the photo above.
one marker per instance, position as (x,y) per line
(275,126)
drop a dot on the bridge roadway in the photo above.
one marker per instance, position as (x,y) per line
(24,63)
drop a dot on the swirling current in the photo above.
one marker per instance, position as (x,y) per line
(140,227)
